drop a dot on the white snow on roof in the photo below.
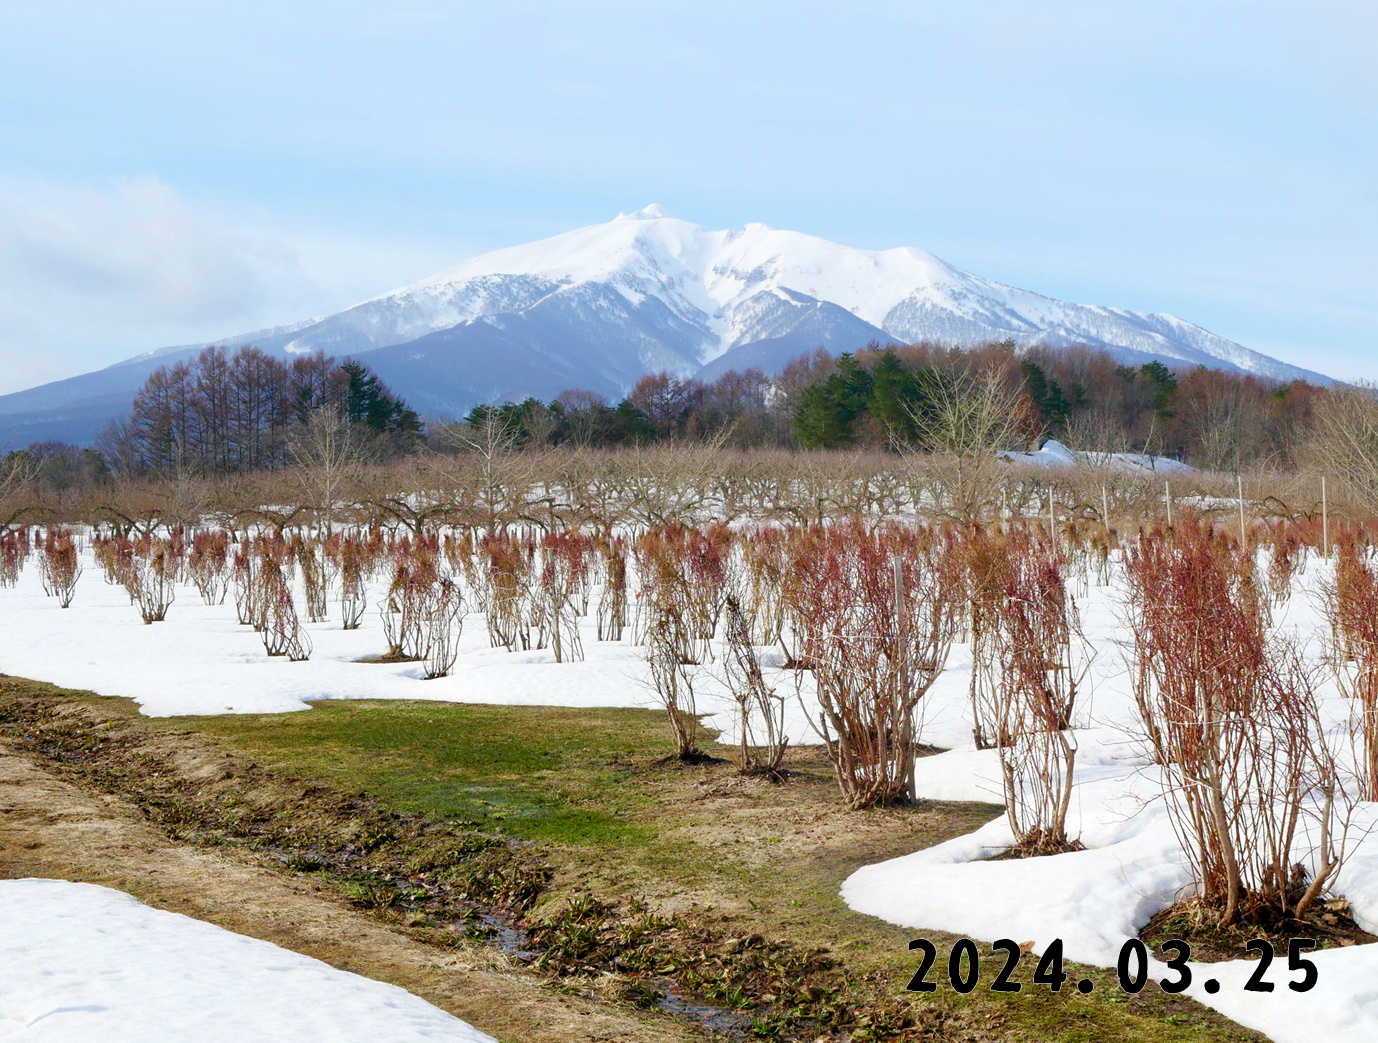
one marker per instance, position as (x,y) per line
(1054,454)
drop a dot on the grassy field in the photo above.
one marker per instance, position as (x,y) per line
(593,791)
(548,775)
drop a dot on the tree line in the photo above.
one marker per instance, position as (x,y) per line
(884,397)
(229,412)
(244,411)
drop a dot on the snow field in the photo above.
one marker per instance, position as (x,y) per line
(201,661)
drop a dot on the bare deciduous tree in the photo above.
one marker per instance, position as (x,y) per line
(1346,441)
(329,453)
(18,492)
(491,476)
(969,419)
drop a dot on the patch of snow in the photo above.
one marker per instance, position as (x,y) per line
(1053,453)
(83,962)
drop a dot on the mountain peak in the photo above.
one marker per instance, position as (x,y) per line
(598,307)
(674,295)
(647,213)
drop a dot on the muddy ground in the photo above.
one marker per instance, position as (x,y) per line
(50,828)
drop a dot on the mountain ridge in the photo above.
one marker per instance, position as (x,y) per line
(597,307)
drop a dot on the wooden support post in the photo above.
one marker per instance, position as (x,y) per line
(1243,529)
(907,728)
(1325,521)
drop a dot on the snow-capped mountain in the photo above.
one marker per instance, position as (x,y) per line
(600,306)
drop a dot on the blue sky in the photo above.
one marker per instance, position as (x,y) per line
(173,172)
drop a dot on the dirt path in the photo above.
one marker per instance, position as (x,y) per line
(49,828)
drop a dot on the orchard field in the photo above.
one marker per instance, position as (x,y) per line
(689,744)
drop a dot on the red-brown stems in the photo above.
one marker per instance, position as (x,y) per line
(1232,717)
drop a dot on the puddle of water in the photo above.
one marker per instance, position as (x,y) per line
(728,1022)
(508,937)
(512,940)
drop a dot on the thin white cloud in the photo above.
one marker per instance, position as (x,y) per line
(90,274)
